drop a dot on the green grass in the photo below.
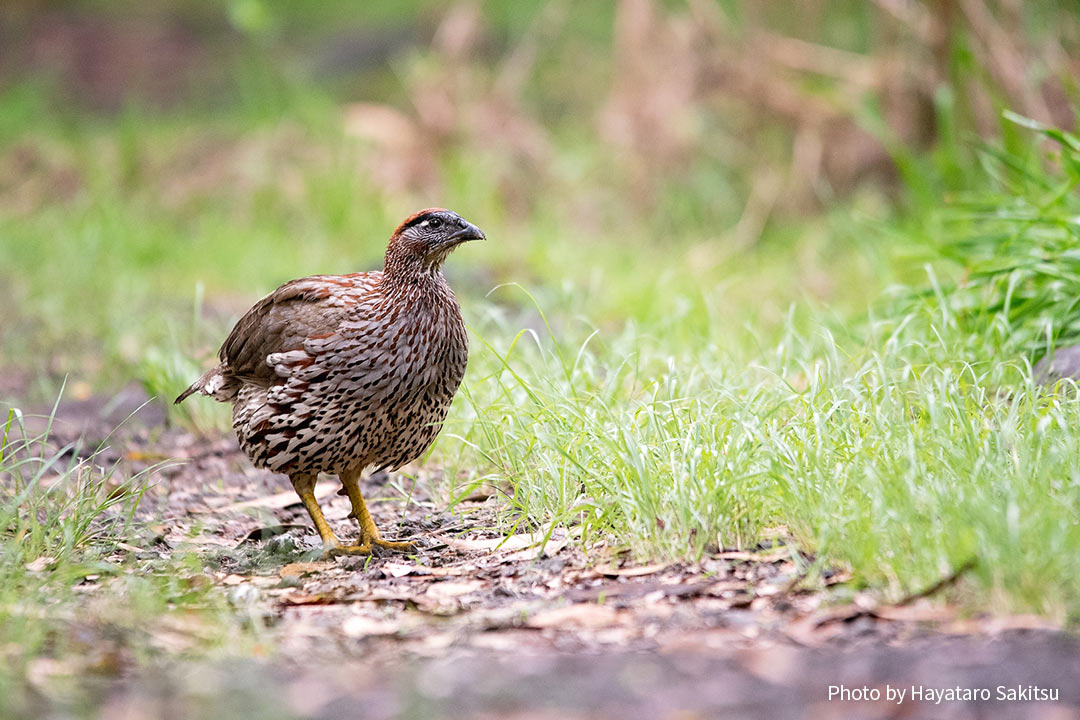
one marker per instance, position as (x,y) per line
(57,502)
(899,460)
(905,443)
(74,599)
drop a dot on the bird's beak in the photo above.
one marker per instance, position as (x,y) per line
(469,232)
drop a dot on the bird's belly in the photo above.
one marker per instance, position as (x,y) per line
(383,416)
(404,426)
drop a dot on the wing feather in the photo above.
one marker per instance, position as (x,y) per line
(285,319)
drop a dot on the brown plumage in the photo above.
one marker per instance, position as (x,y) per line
(338,373)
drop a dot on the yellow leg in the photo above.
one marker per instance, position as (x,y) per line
(369,534)
(305,488)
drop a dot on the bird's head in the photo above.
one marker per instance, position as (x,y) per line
(429,236)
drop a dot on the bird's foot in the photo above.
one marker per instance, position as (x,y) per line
(338,550)
(365,548)
(390,545)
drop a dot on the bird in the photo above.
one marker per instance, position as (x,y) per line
(340,373)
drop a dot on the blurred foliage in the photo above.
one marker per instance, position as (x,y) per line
(686,111)
(242,143)
(1013,248)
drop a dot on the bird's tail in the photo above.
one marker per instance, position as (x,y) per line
(192,389)
(214,382)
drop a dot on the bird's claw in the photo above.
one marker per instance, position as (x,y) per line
(366,548)
(345,550)
(395,546)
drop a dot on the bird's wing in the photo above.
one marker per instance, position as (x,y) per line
(297,311)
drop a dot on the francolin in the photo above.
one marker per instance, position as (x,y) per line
(339,373)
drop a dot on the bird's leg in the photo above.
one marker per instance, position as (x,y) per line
(304,484)
(369,534)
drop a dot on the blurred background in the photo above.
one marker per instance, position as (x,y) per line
(157,157)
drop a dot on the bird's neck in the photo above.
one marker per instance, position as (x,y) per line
(406,272)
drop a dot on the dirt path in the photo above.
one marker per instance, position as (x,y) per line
(480,624)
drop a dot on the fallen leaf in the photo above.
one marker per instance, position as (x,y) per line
(783,553)
(634,571)
(582,615)
(815,629)
(300,569)
(447,571)
(380,593)
(40,564)
(298,598)
(269,531)
(207,540)
(839,576)
(551,548)
(397,570)
(1023,622)
(503,640)
(921,612)
(725,588)
(512,543)
(640,589)
(448,590)
(998,625)
(808,633)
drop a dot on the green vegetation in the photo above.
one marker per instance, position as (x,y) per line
(904,443)
(70,586)
(665,355)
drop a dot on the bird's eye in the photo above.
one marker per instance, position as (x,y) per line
(434,222)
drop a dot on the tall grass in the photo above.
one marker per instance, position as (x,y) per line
(876,459)
(63,509)
(83,589)
(1011,275)
(622,434)
(903,447)
(58,501)
(907,470)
